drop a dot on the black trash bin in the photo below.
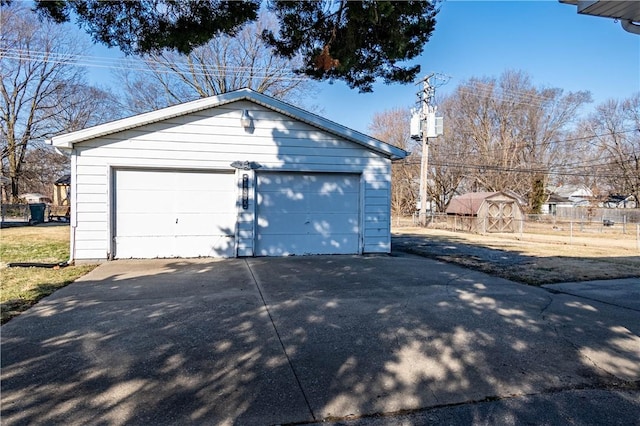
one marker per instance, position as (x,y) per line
(37,212)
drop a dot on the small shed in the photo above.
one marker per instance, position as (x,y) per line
(237,174)
(485,212)
(62,191)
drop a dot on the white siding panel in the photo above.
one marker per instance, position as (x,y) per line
(88,217)
(99,180)
(93,245)
(92,207)
(377,208)
(87,253)
(85,226)
(84,189)
(98,236)
(89,197)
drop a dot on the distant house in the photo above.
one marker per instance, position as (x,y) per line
(486,212)
(577,195)
(553,202)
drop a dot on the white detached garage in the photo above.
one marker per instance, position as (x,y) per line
(239,174)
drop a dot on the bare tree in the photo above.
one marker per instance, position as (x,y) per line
(512,130)
(224,64)
(80,105)
(615,129)
(392,126)
(35,75)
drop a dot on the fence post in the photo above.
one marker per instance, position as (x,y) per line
(571,233)
(521,227)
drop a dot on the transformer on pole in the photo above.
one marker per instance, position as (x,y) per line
(425,125)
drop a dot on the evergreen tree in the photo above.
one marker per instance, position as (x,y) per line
(354,41)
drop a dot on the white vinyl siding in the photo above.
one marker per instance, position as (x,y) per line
(211,140)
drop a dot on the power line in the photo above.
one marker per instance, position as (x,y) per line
(493,168)
(493,150)
(144,64)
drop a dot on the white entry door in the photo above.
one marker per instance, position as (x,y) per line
(307,213)
(163,214)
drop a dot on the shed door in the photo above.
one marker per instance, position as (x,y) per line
(500,217)
(160,213)
(307,213)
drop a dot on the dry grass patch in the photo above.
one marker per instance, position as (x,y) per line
(530,258)
(21,287)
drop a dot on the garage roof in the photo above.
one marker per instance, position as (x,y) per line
(66,141)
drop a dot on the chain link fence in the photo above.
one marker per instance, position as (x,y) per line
(620,227)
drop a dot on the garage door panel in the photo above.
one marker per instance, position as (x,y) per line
(129,201)
(143,225)
(333,204)
(303,224)
(147,180)
(319,183)
(139,248)
(162,213)
(305,203)
(209,224)
(307,213)
(307,245)
(204,246)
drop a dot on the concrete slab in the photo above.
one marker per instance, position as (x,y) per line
(304,339)
(622,292)
(582,407)
(149,342)
(386,334)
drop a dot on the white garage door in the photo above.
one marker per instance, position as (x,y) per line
(174,214)
(307,214)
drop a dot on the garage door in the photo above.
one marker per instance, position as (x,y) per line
(301,214)
(174,214)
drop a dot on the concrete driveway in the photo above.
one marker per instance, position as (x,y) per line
(348,339)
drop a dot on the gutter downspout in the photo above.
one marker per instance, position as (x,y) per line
(74,211)
(629,26)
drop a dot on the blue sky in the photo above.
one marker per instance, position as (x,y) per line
(548,40)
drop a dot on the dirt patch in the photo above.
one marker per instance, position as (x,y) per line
(527,258)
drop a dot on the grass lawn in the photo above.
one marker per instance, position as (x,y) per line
(21,288)
(532,258)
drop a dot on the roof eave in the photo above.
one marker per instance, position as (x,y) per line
(322,123)
(66,141)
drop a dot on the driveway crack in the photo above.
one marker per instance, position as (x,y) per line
(284,350)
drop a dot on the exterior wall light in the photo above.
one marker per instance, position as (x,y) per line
(245,120)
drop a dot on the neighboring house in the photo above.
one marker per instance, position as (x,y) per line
(553,203)
(578,195)
(486,212)
(239,174)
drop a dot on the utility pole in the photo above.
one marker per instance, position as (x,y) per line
(426,125)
